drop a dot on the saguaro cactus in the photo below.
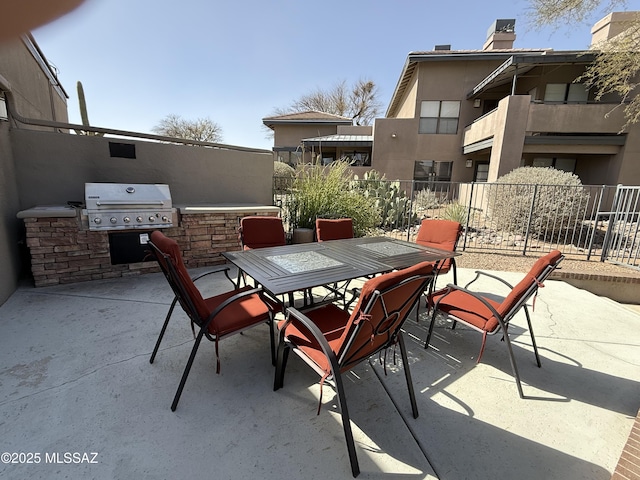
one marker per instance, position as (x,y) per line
(83,112)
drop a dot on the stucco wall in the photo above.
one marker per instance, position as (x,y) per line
(52,168)
(9,225)
(26,83)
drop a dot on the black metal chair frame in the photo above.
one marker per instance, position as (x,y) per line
(503,321)
(182,296)
(350,359)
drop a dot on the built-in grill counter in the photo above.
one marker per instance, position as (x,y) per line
(65,247)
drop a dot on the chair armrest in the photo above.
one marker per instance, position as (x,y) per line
(479,273)
(451,287)
(231,300)
(315,332)
(224,269)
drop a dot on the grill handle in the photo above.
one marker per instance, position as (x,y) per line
(124,202)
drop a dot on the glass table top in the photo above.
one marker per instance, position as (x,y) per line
(388,248)
(303,261)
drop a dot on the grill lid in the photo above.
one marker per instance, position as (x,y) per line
(111,206)
(105,196)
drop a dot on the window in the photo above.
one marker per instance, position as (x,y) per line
(564,164)
(3,108)
(431,171)
(482,172)
(566,93)
(327,159)
(357,159)
(291,158)
(439,117)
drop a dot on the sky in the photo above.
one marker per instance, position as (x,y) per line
(236,61)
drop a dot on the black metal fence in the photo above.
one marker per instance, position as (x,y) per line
(596,222)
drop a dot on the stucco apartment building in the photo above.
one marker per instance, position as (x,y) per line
(475,115)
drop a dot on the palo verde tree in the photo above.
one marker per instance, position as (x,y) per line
(616,68)
(200,130)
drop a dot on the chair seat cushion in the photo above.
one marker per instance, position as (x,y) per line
(239,315)
(468,309)
(331,321)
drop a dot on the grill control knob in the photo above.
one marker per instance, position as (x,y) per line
(97,220)
(113,220)
(139,219)
(152,219)
(126,220)
(165,218)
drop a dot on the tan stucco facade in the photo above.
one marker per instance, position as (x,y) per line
(510,114)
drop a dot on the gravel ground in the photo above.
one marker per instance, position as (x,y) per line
(517,263)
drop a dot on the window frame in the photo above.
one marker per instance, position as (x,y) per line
(477,170)
(439,124)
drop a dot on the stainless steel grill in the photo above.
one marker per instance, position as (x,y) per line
(120,206)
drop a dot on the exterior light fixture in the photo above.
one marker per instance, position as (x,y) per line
(469,163)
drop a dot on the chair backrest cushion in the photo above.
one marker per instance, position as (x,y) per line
(261,232)
(537,274)
(382,319)
(170,247)
(333,229)
(442,234)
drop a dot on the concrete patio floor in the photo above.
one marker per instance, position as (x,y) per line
(75,378)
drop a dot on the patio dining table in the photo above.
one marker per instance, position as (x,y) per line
(286,269)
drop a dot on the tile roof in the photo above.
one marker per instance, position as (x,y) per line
(308,116)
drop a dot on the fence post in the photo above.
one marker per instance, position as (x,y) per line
(595,225)
(531,208)
(612,220)
(413,186)
(466,228)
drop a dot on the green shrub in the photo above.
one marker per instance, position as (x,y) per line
(559,200)
(325,192)
(283,175)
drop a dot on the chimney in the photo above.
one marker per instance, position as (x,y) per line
(611,26)
(501,34)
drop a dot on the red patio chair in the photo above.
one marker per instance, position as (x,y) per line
(261,232)
(332,341)
(217,317)
(488,316)
(333,229)
(442,234)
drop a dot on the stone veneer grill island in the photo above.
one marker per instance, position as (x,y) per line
(64,250)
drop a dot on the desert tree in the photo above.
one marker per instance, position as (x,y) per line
(201,130)
(358,102)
